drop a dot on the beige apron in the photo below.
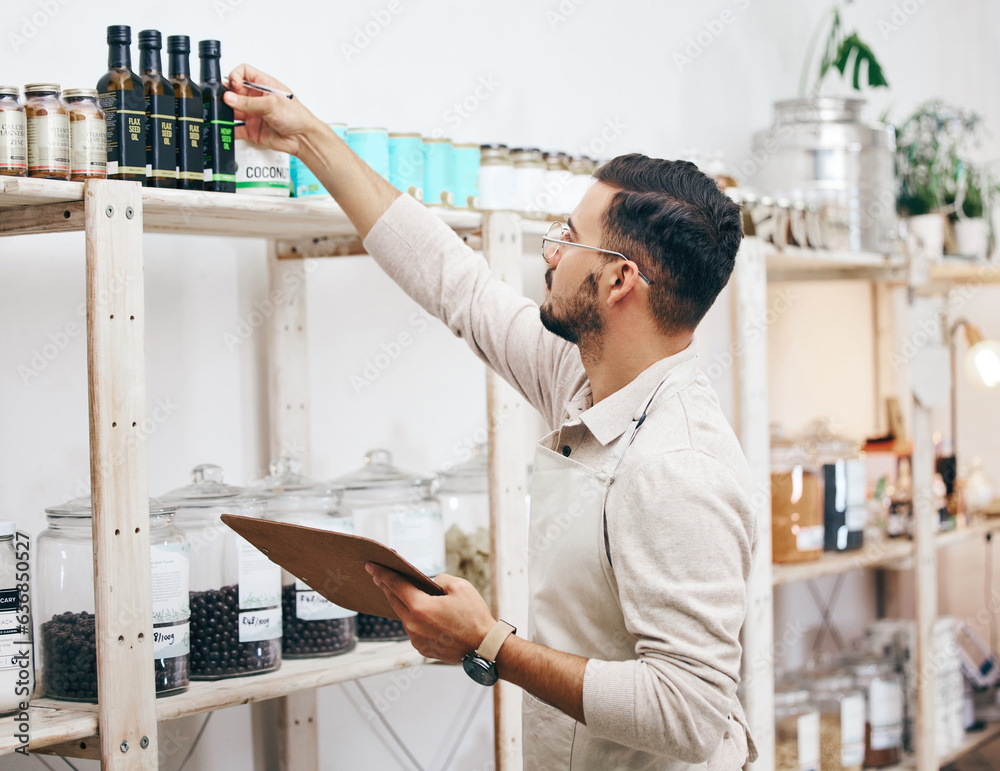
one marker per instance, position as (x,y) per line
(573,605)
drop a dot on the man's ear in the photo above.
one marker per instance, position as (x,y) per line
(621,281)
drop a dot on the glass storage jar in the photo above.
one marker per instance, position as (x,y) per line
(235,589)
(399,509)
(845,509)
(66,601)
(17,666)
(883,688)
(841,705)
(88,135)
(47,131)
(796,506)
(796,729)
(13,133)
(529,181)
(496,178)
(311,624)
(464,491)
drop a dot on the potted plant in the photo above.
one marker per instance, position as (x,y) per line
(938,177)
(842,52)
(972,219)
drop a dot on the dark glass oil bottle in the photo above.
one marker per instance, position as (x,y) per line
(218,130)
(161,134)
(124,104)
(187,110)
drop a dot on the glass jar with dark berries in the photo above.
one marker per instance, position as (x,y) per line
(68,637)
(400,510)
(235,589)
(312,625)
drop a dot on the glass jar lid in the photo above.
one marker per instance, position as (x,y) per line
(80,93)
(835,682)
(9,91)
(41,88)
(208,489)
(470,476)
(285,480)
(791,695)
(83,507)
(379,473)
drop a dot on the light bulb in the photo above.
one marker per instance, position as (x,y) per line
(982,364)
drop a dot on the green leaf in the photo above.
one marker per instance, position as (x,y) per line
(853,47)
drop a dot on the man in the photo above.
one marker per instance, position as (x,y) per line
(642,531)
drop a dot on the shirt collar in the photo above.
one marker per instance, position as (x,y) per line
(608,419)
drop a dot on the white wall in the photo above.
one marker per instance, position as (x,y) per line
(560,72)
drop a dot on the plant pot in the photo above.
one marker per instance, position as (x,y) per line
(971,237)
(929,230)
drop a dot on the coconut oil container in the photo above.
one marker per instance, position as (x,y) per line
(312,625)
(235,590)
(400,510)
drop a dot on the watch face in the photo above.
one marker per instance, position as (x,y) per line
(480,670)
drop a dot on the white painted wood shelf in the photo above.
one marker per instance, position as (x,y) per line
(972,742)
(114,215)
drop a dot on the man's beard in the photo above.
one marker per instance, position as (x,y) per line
(580,321)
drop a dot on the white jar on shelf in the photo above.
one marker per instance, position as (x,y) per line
(17,665)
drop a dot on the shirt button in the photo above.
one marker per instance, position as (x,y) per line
(566,450)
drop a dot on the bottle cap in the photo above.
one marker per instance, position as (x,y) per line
(150,38)
(119,34)
(179,44)
(7,529)
(208,48)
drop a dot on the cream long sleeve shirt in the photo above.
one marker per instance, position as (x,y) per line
(681,527)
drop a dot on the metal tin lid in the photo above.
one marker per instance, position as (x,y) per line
(84,507)
(41,88)
(436,140)
(10,91)
(471,476)
(465,146)
(494,146)
(367,131)
(378,472)
(76,93)
(820,109)
(336,125)
(208,489)
(403,135)
(286,480)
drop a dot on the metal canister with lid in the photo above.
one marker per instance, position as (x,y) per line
(439,172)
(13,133)
(66,601)
(529,181)
(235,589)
(47,131)
(558,182)
(583,171)
(88,134)
(496,178)
(406,163)
(372,146)
(311,624)
(399,509)
(466,164)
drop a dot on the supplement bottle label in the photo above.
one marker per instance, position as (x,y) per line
(418,536)
(13,140)
(885,713)
(852,731)
(259,593)
(311,605)
(125,118)
(808,734)
(809,538)
(88,140)
(48,143)
(161,137)
(190,156)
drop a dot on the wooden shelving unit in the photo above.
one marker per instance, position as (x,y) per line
(757,265)
(121,729)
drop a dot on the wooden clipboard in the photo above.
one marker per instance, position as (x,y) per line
(332,564)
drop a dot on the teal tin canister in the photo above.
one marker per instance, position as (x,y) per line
(439,172)
(372,146)
(406,164)
(304,182)
(466,161)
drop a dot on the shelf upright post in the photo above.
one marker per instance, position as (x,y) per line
(116,370)
(750,356)
(508,412)
(288,419)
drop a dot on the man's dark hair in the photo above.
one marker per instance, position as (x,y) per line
(679,228)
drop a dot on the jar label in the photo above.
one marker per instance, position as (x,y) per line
(88,143)
(171,641)
(10,606)
(13,140)
(161,137)
(125,120)
(259,625)
(856,517)
(809,538)
(190,156)
(48,143)
(852,731)
(885,714)
(15,654)
(418,536)
(313,606)
(808,735)
(169,566)
(259,578)
(257,167)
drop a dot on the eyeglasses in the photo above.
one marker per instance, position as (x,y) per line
(558,235)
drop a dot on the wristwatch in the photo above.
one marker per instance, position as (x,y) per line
(481,665)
